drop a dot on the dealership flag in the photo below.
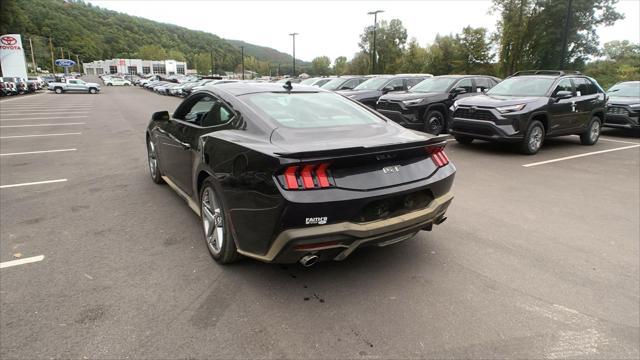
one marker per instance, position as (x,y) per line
(12,56)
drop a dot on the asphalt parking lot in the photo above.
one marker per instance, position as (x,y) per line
(539,257)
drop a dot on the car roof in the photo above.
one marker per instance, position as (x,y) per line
(240,88)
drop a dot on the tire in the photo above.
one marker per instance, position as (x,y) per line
(463,139)
(152,160)
(109,84)
(58,90)
(435,123)
(533,138)
(592,134)
(215,226)
(93,91)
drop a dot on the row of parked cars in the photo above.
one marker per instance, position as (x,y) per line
(526,108)
(10,86)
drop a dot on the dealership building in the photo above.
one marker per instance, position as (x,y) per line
(135,66)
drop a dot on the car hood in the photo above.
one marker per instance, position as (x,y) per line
(408,95)
(339,137)
(497,100)
(623,100)
(360,94)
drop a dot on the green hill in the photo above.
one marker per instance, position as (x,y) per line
(93,33)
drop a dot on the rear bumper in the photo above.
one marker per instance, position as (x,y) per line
(338,241)
(622,121)
(485,130)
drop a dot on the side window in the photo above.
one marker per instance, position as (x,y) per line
(585,87)
(218,115)
(466,84)
(563,85)
(350,84)
(396,84)
(199,110)
(72,82)
(413,81)
(483,84)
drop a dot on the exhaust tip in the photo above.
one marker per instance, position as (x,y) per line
(309,260)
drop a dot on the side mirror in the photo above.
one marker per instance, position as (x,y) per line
(563,94)
(458,91)
(386,89)
(160,116)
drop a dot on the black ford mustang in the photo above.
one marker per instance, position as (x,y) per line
(285,173)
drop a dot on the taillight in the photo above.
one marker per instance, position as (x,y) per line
(307,177)
(437,155)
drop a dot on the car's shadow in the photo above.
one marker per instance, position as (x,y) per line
(502,149)
(621,133)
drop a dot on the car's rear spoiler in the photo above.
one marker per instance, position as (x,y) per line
(362,150)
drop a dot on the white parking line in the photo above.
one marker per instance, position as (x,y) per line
(37,152)
(32,183)
(46,106)
(75,112)
(33,125)
(37,135)
(580,155)
(28,260)
(47,118)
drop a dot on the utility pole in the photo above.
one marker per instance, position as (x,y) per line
(242,55)
(294,53)
(33,59)
(565,35)
(61,53)
(211,62)
(375,25)
(53,66)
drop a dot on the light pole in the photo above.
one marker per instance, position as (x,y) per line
(242,54)
(375,24)
(294,52)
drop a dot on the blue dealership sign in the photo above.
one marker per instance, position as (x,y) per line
(65,62)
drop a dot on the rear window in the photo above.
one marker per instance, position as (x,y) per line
(310,110)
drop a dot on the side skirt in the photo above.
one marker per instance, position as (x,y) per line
(192,204)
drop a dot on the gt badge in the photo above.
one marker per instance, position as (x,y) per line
(316,220)
(391,169)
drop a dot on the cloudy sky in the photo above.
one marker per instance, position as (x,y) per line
(332,28)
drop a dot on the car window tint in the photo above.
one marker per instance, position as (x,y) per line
(310,110)
(585,87)
(199,110)
(466,84)
(72,82)
(218,115)
(396,84)
(351,84)
(413,81)
(483,84)
(563,85)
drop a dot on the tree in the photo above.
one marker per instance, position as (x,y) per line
(360,64)
(151,52)
(321,65)
(415,59)
(474,49)
(340,65)
(530,32)
(391,38)
(619,50)
(443,55)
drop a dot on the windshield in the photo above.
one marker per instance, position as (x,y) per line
(308,81)
(522,86)
(310,110)
(435,84)
(625,90)
(372,84)
(334,84)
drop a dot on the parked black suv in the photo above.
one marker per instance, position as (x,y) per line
(532,105)
(426,105)
(623,108)
(344,83)
(369,91)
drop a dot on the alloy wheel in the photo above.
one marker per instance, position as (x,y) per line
(535,139)
(153,159)
(595,131)
(435,125)
(212,221)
